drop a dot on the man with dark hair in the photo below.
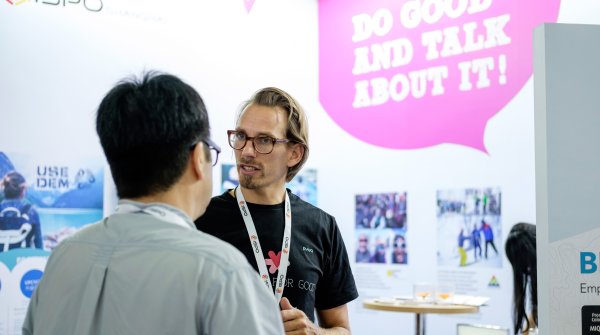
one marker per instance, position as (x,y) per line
(146,269)
(296,247)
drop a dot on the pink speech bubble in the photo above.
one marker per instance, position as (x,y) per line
(417,73)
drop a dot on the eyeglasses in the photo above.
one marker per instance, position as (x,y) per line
(262,144)
(215,150)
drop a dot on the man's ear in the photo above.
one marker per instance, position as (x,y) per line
(296,154)
(197,159)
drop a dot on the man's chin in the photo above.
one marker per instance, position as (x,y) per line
(247,183)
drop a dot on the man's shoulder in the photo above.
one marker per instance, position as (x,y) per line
(221,207)
(207,245)
(221,202)
(172,239)
(303,207)
(204,247)
(85,233)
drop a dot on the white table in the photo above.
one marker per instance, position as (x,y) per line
(420,309)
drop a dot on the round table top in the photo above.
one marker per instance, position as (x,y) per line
(408,306)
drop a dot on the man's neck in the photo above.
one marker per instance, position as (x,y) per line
(263,196)
(169,198)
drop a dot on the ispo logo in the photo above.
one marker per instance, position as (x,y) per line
(17,2)
(90,5)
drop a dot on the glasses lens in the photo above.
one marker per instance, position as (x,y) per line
(263,144)
(237,140)
(213,150)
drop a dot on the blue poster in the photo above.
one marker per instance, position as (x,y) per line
(43,200)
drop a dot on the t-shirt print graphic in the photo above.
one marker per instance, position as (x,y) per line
(273,261)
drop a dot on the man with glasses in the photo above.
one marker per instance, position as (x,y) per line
(363,255)
(296,248)
(146,269)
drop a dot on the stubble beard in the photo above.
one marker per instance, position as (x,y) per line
(250,182)
(247,182)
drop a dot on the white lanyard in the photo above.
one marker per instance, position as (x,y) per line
(160,212)
(258,254)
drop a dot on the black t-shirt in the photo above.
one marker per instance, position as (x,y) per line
(318,275)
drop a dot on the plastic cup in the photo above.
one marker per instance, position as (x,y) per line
(444,293)
(423,292)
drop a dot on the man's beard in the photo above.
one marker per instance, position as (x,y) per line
(247,182)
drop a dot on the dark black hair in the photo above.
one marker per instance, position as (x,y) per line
(520,251)
(146,128)
(13,184)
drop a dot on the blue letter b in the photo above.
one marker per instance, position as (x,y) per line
(588,262)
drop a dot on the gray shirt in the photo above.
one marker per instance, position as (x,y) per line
(136,274)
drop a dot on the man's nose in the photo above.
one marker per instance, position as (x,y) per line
(248,149)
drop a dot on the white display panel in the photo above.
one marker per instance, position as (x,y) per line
(567,113)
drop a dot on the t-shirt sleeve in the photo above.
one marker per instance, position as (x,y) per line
(243,305)
(337,286)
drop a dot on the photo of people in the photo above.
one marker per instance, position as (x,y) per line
(304,184)
(380,211)
(399,253)
(469,228)
(386,246)
(381,228)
